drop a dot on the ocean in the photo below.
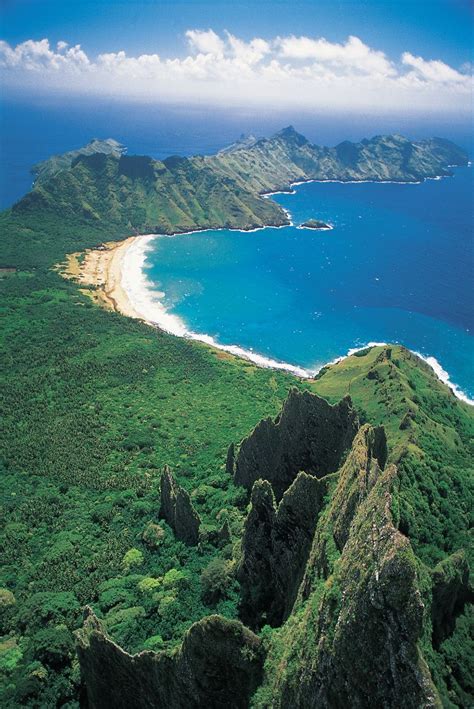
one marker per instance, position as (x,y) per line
(396,267)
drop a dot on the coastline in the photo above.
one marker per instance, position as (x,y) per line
(114,276)
(100,273)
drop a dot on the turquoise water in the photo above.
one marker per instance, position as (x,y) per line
(397,267)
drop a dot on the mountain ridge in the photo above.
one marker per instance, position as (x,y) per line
(105,190)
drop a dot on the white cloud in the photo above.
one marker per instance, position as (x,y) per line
(353,56)
(206,42)
(434,70)
(300,72)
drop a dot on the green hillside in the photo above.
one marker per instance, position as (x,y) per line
(95,196)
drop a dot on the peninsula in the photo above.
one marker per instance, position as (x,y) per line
(108,195)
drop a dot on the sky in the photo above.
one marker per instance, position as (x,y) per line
(374,56)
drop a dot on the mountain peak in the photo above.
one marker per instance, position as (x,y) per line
(50,167)
(290,135)
(243,143)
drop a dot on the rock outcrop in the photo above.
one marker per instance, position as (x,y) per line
(275,548)
(230,459)
(451,592)
(356,477)
(357,637)
(309,434)
(218,665)
(329,570)
(177,510)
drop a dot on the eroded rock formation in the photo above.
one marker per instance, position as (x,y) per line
(322,562)
(177,510)
(275,548)
(218,665)
(451,592)
(357,641)
(309,434)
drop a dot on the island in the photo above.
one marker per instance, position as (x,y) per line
(183,528)
(315,224)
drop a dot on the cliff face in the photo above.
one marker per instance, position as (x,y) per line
(218,665)
(275,548)
(178,511)
(360,615)
(309,435)
(356,477)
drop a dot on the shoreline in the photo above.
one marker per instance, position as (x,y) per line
(116,279)
(116,273)
(100,273)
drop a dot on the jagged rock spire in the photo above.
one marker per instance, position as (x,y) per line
(177,509)
(309,434)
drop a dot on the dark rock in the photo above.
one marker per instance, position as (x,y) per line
(275,548)
(309,434)
(218,665)
(451,592)
(177,510)
(315,224)
(356,478)
(229,463)
(255,572)
(224,535)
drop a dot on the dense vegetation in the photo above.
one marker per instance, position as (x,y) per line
(95,404)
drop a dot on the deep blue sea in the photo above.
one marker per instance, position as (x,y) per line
(397,267)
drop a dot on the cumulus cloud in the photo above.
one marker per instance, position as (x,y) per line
(433,70)
(303,72)
(353,56)
(206,42)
